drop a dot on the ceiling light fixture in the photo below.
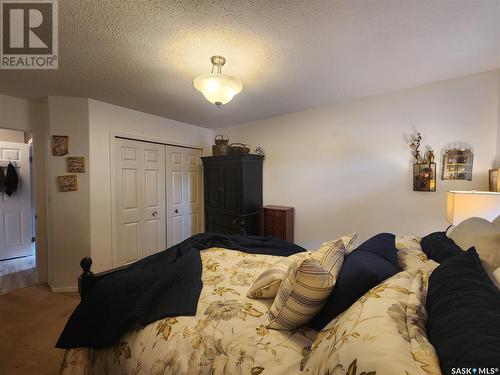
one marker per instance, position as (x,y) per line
(216,87)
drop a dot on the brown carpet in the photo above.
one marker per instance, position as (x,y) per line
(31,320)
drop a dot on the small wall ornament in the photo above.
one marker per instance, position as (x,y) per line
(67,183)
(59,145)
(424,170)
(75,164)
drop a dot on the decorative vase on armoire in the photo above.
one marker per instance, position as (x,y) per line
(233,193)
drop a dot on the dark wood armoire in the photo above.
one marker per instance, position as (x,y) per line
(233,193)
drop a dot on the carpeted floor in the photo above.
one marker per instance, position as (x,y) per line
(30,322)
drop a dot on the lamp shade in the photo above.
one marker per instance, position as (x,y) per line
(218,88)
(462,205)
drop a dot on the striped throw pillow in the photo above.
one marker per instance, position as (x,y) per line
(349,241)
(305,289)
(268,283)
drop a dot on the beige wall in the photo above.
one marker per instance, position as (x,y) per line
(344,167)
(7,135)
(69,212)
(497,164)
(30,116)
(347,167)
(104,120)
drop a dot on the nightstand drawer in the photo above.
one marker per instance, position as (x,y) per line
(277,221)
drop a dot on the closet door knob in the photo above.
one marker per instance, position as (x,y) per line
(176,211)
(155,214)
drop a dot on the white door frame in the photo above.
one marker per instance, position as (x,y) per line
(23,195)
(140,138)
(41,207)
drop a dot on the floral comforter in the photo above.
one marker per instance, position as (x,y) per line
(227,335)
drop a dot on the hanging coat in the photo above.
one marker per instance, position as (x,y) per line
(2,181)
(11,180)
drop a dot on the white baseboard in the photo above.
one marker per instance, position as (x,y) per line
(63,289)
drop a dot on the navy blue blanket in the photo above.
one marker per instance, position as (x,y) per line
(162,285)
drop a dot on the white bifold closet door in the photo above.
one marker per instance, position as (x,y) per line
(139,199)
(184,210)
(15,211)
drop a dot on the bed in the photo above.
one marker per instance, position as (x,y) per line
(227,335)
(382,333)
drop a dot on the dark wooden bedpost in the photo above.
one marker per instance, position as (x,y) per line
(87,278)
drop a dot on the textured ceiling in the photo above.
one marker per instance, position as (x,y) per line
(290,55)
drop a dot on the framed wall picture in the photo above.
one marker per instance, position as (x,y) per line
(60,145)
(75,164)
(67,183)
(457,164)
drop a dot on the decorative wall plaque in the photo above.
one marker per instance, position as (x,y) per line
(67,183)
(75,164)
(59,145)
(457,164)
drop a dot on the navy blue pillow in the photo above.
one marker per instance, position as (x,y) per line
(372,262)
(438,247)
(463,308)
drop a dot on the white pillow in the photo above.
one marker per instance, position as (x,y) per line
(481,234)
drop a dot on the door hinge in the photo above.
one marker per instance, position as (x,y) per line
(31,159)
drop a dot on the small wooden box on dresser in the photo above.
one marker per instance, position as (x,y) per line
(233,193)
(277,221)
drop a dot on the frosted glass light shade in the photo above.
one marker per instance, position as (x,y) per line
(218,88)
(462,205)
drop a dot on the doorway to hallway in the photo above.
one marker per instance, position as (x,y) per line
(17,220)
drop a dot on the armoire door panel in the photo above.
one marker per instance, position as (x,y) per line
(231,191)
(212,187)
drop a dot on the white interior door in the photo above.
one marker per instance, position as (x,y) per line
(15,211)
(139,200)
(183,193)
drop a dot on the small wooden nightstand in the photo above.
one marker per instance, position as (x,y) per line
(277,221)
